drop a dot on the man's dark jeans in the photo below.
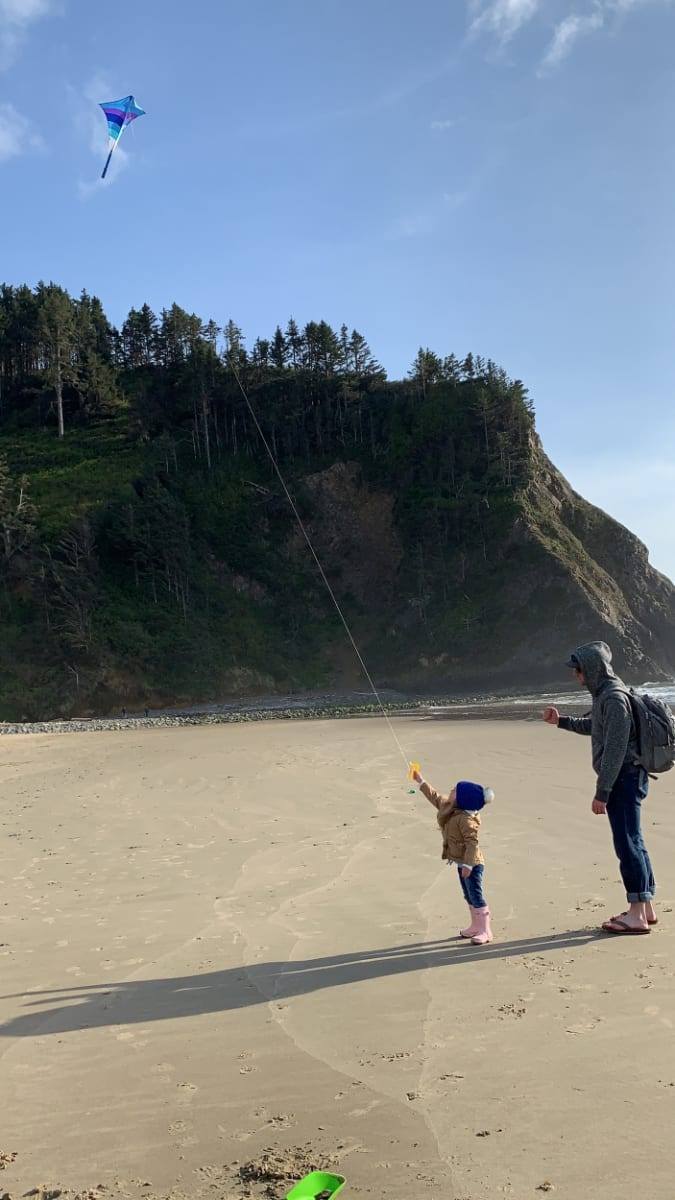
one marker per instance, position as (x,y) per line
(624,809)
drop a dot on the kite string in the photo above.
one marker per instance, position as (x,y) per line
(315,556)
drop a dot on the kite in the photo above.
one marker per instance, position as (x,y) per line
(120,113)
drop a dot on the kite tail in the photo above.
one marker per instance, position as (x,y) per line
(107,162)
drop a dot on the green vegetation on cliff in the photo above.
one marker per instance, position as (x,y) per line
(148,553)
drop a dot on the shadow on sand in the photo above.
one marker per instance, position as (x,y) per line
(139,1001)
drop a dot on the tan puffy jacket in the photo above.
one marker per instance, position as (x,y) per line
(459,829)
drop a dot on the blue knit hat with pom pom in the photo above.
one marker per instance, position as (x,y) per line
(471,796)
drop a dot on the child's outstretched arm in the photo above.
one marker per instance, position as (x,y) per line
(431,794)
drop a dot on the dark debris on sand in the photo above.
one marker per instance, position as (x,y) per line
(268,1176)
(273,1168)
(44,1192)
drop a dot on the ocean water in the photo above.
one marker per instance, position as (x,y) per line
(531,706)
(517,706)
(662,691)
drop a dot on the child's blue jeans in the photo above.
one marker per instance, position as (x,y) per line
(472,887)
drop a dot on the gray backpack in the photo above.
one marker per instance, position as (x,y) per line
(655,732)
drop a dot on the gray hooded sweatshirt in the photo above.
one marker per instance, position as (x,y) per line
(610,724)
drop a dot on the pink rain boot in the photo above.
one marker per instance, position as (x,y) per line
(474,927)
(484,933)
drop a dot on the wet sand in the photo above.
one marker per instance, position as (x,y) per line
(224,939)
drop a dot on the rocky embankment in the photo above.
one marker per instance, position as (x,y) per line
(105,724)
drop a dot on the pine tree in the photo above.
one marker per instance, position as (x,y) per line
(235,355)
(294,342)
(360,359)
(426,370)
(57,320)
(17,512)
(279,350)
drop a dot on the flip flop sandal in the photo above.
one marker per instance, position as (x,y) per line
(618,926)
(650,920)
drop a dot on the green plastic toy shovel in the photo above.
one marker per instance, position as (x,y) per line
(318,1185)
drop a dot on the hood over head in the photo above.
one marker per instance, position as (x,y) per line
(594,660)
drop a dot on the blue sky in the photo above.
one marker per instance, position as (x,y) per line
(486,175)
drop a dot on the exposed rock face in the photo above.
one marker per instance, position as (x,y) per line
(564,573)
(353,529)
(608,587)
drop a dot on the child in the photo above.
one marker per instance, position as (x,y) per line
(459,821)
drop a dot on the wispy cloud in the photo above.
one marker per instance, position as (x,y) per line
(298,122)
(433,213)
(17,135)
(626,5)
(568,32)
(604,14)
(16,17)
(503,18)
(427,216)
(441,126)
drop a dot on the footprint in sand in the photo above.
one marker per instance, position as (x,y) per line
(240,1136)
(164,1071)
(185,1136)
(583,1028)
(510,1010)
(594,902)
(282,1120)
(653,1010)
(362,1112)
(187,1089)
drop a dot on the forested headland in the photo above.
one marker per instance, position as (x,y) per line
(149,554)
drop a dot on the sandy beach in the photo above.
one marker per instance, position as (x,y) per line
(221,940)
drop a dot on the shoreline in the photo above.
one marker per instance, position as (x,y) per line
(484,708)
(303,706)
(517,704)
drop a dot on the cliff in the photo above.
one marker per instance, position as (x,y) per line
(561,573)
(150,556)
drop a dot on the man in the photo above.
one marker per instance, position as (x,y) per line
(621,785)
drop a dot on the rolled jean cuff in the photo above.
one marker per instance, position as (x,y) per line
(639,897)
